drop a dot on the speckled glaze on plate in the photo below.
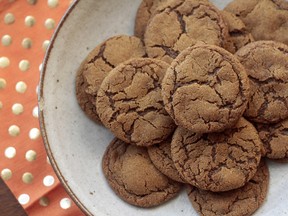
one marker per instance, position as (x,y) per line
(75,144)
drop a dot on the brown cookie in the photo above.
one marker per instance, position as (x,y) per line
(160,155)
(205,89)
(240,202)
(217,161)
(129,102)
(266,66)
(133,177)
(239,35)
(180,25)
(144,13)
(275,139)
(99,63)
(265,19)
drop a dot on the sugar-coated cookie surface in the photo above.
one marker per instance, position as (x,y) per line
(239,35)
(205,89)
(160,155)
(144,13)
(181,24)
(133,177)
(275,139)
(265,19)
(129,102)
(266,66)
(100,61)
(240,202)
(217,161)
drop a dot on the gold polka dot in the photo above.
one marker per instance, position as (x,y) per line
(49,23)
(1,105)
(65,203)
(6,40)
(48,160)
(27,178)
(40,67)
(9,18)
(27,43)
(52,3)
(17,109)
(21,87)
(34,133)
(44,201)
(2,83)
(4,62)
(45,44)
(32,2)
(6,174)
(24,65)
(35,112)
(10,152)
(14,130)
(31,155)
(29,21)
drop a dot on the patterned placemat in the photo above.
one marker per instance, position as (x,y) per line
(26,27)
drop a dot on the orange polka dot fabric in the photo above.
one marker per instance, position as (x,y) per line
(26,27)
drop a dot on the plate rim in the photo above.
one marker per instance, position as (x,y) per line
(44,133)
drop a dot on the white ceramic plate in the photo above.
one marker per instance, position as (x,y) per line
(75,144)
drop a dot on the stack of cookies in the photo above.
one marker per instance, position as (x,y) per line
(198,97)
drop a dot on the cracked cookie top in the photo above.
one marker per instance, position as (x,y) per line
(99,63)
(205,89)
(181,24)
(129,102)
(239,35)
(242,201)
(266,63)
(133,177)
(160,155)
(265,19)
(217,161)
(144,13)
(275,139)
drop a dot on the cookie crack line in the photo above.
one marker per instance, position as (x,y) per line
(176,84)
(100,55)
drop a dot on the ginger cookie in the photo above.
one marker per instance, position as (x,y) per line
(144,13)
(239,34)
(265,19)
(129,102)
(133,177)
(217,161)
(266,65)
(180,25)
(98,64)
(160,155)
(205,89)
(239,202)
(275,139)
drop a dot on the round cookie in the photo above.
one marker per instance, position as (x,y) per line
(180,25)
(129,102)
(144,13)
(133,177)
(265,19)
(239,35)
(205,89)
(275,139)
(98,64)
(266,66)
(217,161)
(240,202)
(160,155)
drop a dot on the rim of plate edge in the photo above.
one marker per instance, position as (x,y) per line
(41,115)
